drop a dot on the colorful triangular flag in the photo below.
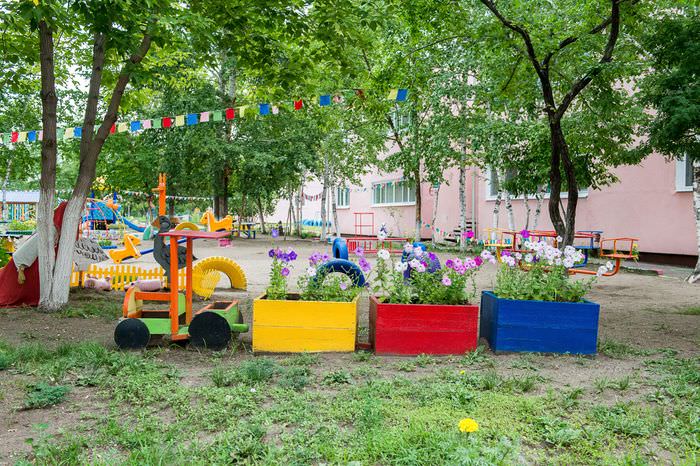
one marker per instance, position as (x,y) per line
(157,123)
(14,136)
(242,110)
(68,134)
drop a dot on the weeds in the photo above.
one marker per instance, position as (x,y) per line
(42,395)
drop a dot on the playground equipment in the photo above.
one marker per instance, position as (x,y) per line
(210,327)
(208,219)
(187,226)
(161,193)
(128,252)
(617,254)
(364,223)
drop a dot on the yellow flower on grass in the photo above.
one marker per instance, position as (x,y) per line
(468,425)
(462,372)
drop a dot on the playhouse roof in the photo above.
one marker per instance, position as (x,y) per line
(21,197)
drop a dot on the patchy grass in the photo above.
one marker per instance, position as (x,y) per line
(309,409)
(42,395)
(619,350)
(90,303)
(690,311)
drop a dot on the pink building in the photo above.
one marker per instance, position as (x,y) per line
(652,201)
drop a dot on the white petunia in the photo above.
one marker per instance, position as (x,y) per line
(528,258)
(311,271)
(418,251)
(401,267)
(518,255)
(568,262)
(601,270)
(383,254)
(408,248)
(414,263)
(609,265)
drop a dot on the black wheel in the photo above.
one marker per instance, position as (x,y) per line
(131,334)
(210,330)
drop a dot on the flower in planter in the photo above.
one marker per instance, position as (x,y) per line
(525,234)
(285,272)
(311,271)
(383,254)
(280,270)
(468,425)
(446,281)
(408,248)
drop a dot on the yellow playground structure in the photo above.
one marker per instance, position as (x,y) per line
(208,219)
(129,250)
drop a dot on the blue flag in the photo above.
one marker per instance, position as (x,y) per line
(191,119)
(402,95)
(135,125)
(264,109)
(78,132)
(31,136)
(324,100)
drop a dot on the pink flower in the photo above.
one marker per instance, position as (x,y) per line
(468,234)
(449,263)
(446,281)
(478,260)
(525,234)
(343,286)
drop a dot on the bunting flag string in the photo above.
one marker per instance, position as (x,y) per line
(190,119)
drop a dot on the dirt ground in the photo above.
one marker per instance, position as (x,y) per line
(642,311)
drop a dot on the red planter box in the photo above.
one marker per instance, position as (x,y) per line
(412,329)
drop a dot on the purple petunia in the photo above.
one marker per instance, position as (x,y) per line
(343,286)
(446,281)
(505,253)
(478,260)
(292,256)
(449,263)
(525,234)
(468,234)
(432,257)
(359,251)
(284,271)
(274,233)
(271,253)
(364,265)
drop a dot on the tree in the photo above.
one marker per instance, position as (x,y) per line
(566,49)
(671,88)
(102,34)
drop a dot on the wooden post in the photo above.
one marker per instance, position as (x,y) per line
(174,326)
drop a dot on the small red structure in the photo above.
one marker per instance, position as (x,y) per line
(362,228)
(372,245)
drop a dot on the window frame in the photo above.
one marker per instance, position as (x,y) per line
(338,197)
(582,193)
(682,166)
(381,187)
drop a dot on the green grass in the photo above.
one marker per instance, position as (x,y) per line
(310,409)
(690,311)
(89,303)
(619,350)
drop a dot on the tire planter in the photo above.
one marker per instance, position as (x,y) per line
(412,329)
(294,326)
(539,326)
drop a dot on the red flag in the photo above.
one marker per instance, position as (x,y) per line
(230,114)
(15,136)
(298,104)
(167,122)
(113,129)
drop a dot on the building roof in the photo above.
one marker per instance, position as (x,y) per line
(21,197)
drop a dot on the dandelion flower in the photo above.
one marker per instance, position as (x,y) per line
(468,425)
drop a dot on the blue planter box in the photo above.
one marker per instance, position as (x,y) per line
(539,326)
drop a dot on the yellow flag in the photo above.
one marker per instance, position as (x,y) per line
(393,94)
(22,136)
(121,127)
(69,133)
(241,111)
(180,120)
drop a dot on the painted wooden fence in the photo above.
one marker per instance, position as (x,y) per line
(123,274)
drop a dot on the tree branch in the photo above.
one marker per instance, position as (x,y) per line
(98,59)
(582,82)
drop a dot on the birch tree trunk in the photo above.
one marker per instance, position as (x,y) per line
(462,205)
(539,196)
(695,276)
(324,198)
(497,204)
(334,208)
(261,211)
(433,238)
(509,211)
(419,206)
(300,211)
(526,202)
(8,170)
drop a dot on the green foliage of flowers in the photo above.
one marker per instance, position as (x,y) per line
(541,274)
(420,279)
(18,225)
(327,287)
(279,271)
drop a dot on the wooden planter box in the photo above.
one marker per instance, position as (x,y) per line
(539,326)
(294,326)
(411,329)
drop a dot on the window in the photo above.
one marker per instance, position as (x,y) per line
(684,174)
(394,192)
(342,197)
(401,119)
(493,181)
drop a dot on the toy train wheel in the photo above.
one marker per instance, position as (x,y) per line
(131,334)
(210,330)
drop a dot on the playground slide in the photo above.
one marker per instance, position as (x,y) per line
(132,225)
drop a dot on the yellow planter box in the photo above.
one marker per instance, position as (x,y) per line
(294,326)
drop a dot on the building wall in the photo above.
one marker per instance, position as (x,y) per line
(643,204)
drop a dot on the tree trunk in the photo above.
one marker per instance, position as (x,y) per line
(497,204)
(8,170)
(242,211)
(217,206)
(526,202)
(509,211)
(695,276)
(171,207)
(462,205)
(300,210)
(47,180)
(433,233)
(334,209)
(539,196)
(324,198)
(566,226)
(261,211)
(419,206)
(224,197)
